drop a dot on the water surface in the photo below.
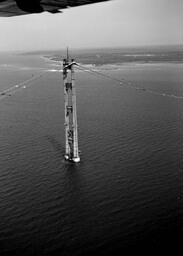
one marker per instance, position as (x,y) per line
(127,190)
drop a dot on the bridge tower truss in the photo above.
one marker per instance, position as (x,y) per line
(71,127)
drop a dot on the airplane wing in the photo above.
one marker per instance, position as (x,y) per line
(21,7)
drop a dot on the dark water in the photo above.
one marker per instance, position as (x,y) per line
(127,191)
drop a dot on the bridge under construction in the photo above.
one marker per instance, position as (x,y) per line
(72,152)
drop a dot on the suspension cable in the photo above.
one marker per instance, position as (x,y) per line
(23,83)
(124,82)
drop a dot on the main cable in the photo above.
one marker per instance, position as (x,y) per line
(124,82)
(23,83)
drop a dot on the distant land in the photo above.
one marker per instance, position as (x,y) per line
(99,56)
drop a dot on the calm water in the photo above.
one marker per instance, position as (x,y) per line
(127,192)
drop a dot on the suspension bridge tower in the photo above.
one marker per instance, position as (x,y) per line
(71,128)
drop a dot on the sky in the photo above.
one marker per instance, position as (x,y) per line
(117,23)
